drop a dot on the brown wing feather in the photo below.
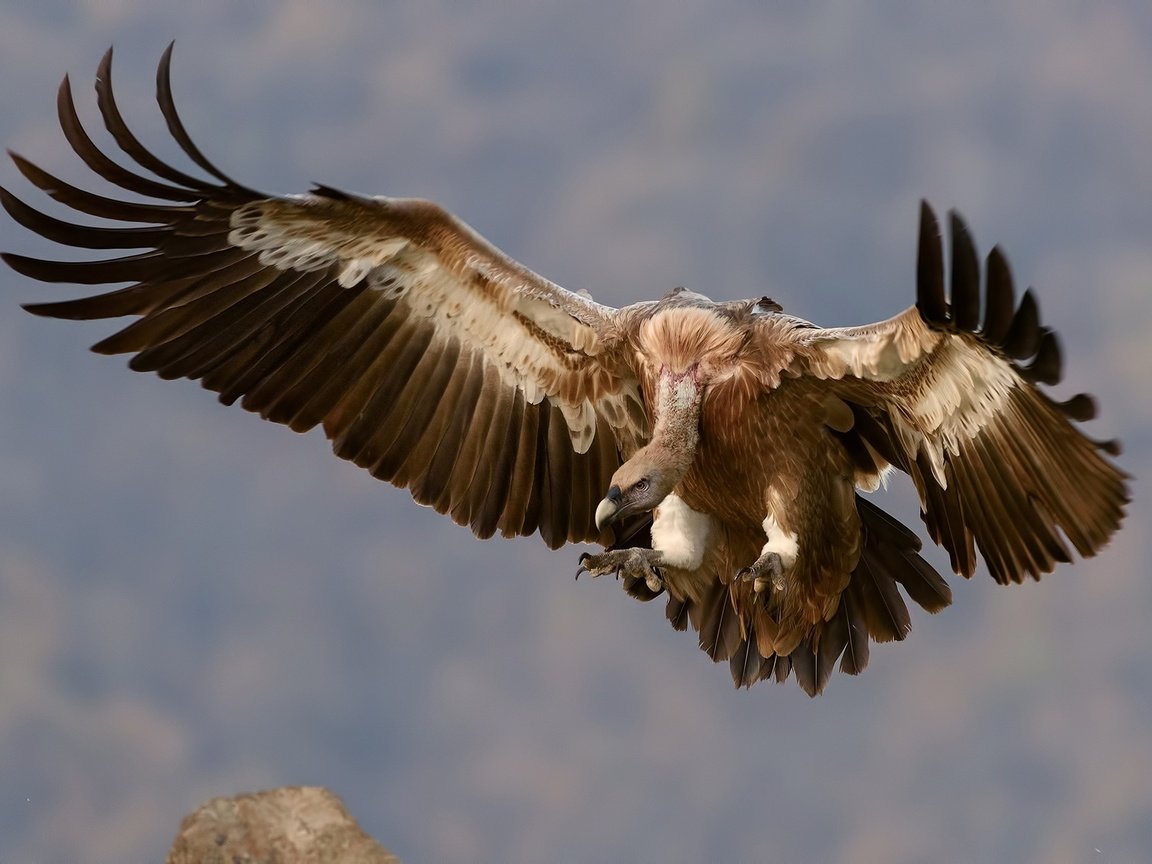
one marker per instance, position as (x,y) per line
(428,356)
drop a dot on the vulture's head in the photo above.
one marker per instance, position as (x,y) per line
(639,485)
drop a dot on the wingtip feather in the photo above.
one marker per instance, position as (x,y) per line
(965,275)
(930,268)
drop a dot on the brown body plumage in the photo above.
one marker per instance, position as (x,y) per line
(726,443)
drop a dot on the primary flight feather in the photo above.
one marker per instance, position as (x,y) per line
(716,450)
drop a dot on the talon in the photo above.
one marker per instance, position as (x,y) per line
(584,556)
(763,583)
(624,563)
(766,572)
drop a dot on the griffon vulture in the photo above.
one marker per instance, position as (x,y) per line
(718,451)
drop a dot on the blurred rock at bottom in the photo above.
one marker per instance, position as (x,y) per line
(290,825)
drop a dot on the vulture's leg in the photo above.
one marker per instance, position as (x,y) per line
(766,571)
(635,562)
(776,558)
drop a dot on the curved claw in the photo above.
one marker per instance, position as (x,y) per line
(639,563)
(584,556)
(766,572)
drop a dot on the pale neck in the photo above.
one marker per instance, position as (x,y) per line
(677,428)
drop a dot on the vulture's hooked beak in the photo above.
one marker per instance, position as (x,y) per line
(608,509)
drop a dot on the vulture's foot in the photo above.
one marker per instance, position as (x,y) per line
(638,563)
(766,572)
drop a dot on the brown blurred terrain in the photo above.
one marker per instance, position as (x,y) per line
(194,602)
(288,825)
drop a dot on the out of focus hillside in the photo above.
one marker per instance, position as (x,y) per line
(196,603)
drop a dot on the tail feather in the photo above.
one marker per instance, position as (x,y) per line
(719,625)
(856,649)
(677,612)
(815,658)
(747,664)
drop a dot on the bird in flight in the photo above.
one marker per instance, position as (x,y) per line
(717,452)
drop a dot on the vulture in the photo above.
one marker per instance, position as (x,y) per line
(717,453)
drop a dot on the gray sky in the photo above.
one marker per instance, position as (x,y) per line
(194,602)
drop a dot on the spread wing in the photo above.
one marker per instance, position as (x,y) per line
(951,400)
(428,356)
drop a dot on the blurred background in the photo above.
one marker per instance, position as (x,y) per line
(194,602)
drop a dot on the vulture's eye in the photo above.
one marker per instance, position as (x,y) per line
(641,485)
